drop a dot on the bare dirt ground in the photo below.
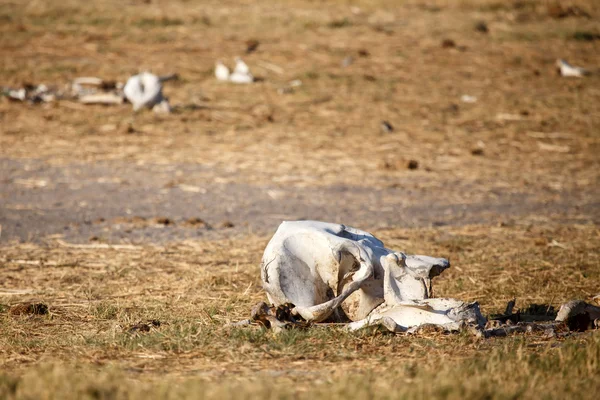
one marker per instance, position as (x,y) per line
(506,186)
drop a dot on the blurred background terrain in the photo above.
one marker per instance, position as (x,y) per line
(523,145)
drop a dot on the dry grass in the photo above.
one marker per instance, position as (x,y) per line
(195,288)
(539,134)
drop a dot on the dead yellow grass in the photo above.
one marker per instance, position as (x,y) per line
(195,288)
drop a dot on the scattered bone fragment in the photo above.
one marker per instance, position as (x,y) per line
(567,70)
(32,93)
(101,98)
(448,315)
(221,71)
(16,94)
(162,108)
(87,85)
(465,98)
(241,72)
(144,91)
(289,88)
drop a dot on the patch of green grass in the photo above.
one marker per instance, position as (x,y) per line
(157,22)
(339,23)
(585,36)
(105,310)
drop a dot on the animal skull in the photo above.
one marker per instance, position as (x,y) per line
(320,266)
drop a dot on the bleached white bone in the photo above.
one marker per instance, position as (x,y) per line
(241,72)
(144,90)
(221,71)
(241,67)
(568,70)
(320,266)
(450,314)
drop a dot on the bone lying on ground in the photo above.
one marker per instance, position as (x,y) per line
(315,272)
(101,98)
(143,90)
(449,314)
(341,273)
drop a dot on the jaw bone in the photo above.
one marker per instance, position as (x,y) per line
(403,309)
(449,314)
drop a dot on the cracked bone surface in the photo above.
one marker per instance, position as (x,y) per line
(321,266)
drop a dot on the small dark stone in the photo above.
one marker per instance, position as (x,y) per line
(252,45)
(195,221)
(226,224)
(386,127)
(477,152)
(412,164)
(448,43)
(452,109)
(163,221)
(481,27)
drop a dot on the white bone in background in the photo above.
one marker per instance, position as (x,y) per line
(144,90)
(241,72)
(568,70)
(221,71)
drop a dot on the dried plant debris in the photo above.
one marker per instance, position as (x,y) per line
(277,318)
(144,327)
(196,222)
(226,224)
(29,309)
(557,11)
